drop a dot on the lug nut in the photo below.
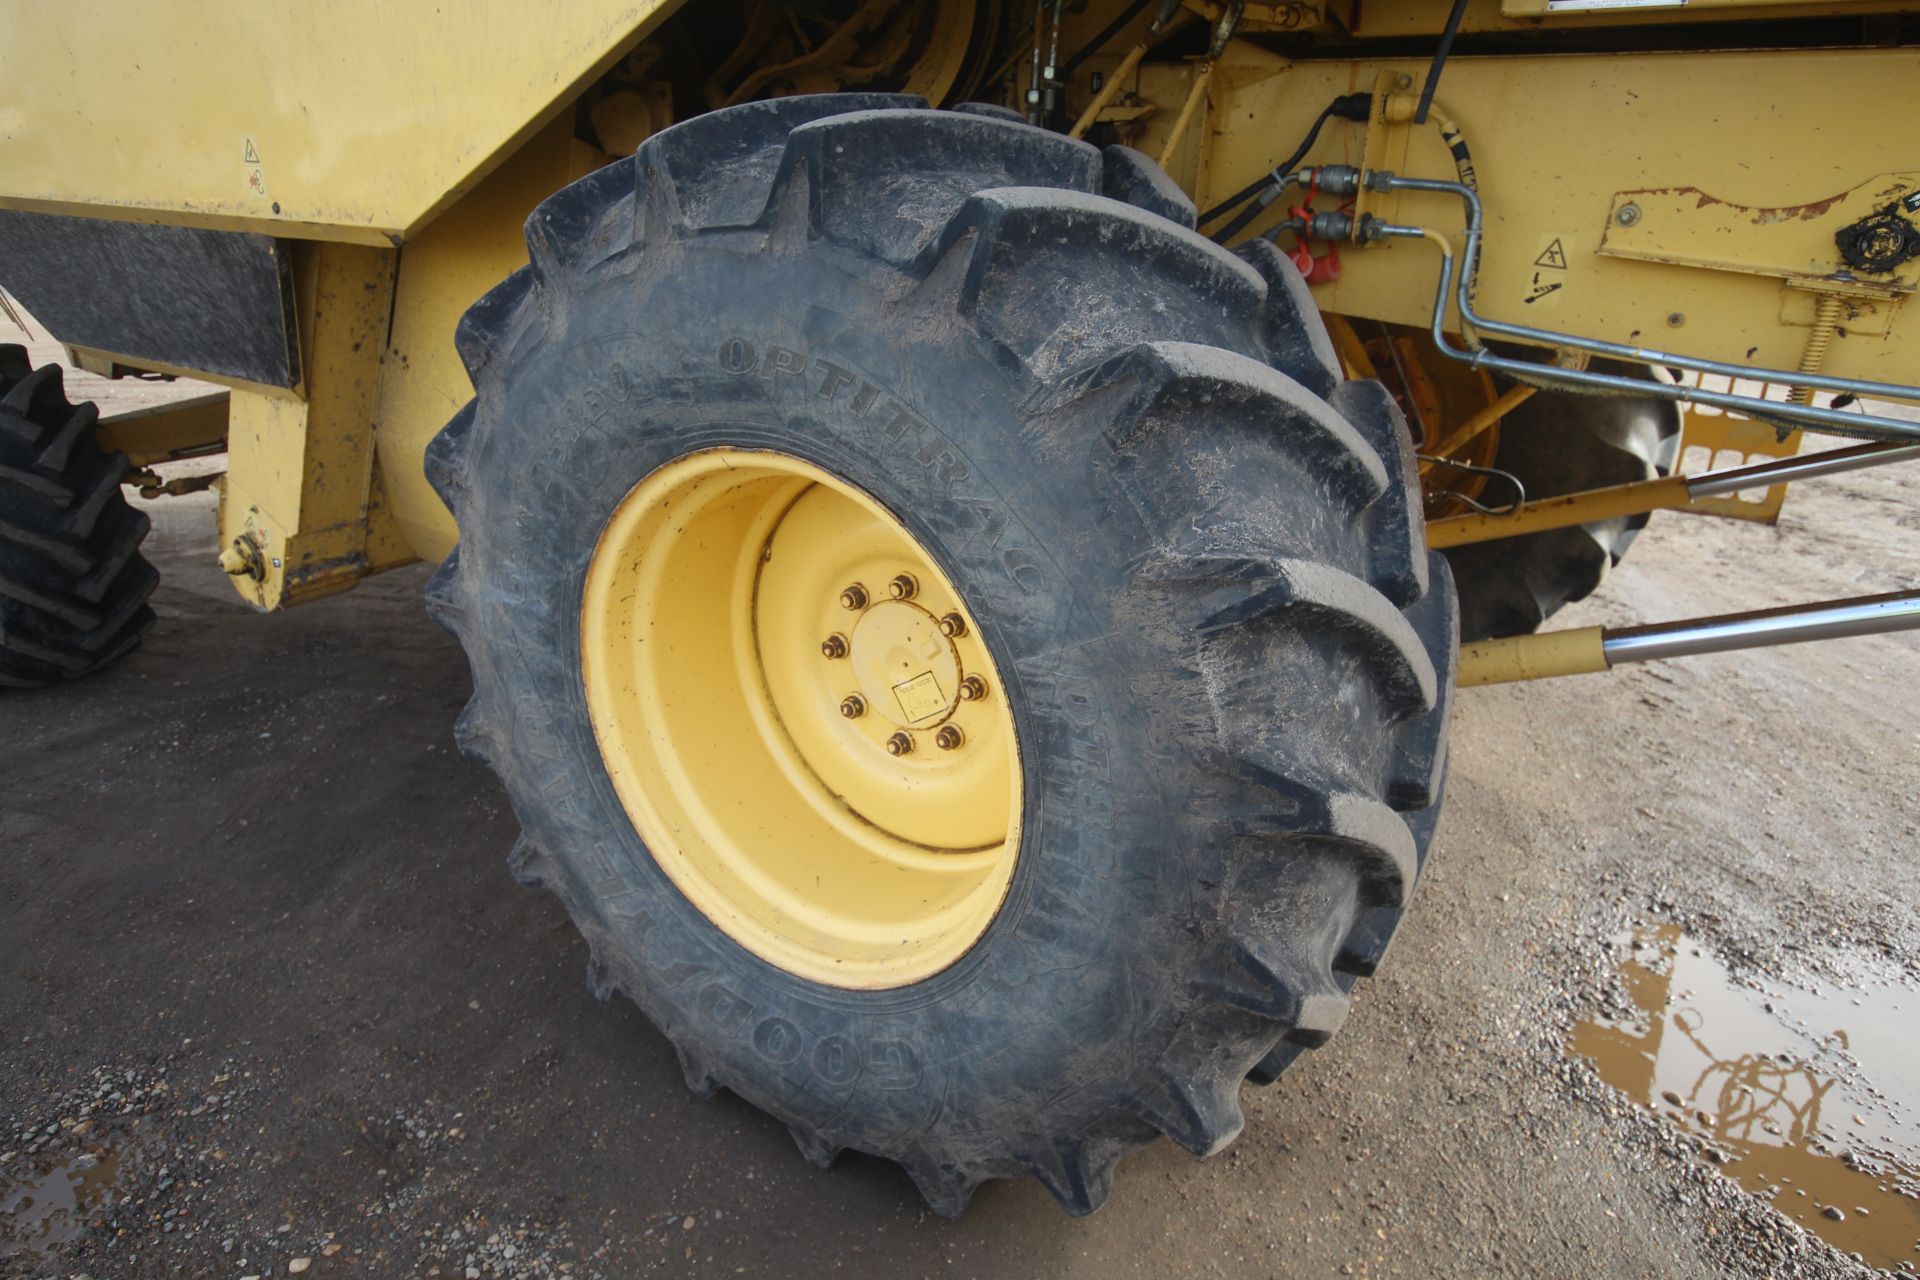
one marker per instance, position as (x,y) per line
(904,587)
(854,597)
(853,706)
(900,744)
(949,737)
(834,646)
(953,626)
(972,689)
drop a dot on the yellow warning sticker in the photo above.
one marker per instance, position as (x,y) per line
(920,697)
(1547,275)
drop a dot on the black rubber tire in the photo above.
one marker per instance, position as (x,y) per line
(1556,443)
(73,585)
(1196,554)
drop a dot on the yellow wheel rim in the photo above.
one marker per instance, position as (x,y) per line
(801,718)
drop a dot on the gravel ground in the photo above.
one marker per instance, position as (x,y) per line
(261,963)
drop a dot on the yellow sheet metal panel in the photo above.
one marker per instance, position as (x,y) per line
(352,120)
(1556,139)
(469,249)
(1687,226)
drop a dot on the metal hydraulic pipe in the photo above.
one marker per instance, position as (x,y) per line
(1470,253)
(1831,620)
(1548,375)
(1591,649)
(1868,425)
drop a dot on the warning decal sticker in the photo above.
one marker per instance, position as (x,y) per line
(254,173)
(1547,277)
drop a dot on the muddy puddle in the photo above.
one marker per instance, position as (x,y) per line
(47,1202)
(1810,1097)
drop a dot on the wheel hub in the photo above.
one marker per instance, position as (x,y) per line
(799,714)
(907,670)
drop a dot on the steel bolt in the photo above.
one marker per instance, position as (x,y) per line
(1676,319)
(900,744)
(1627,215)
(834,646)
(972,689)
(904,586)
(949,738)
(853,706)
(854,597)
(953,626)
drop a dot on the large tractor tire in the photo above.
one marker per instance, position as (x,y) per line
(966,662)
(73,585)
(1558,443)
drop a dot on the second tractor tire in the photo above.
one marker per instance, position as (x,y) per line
(73,584)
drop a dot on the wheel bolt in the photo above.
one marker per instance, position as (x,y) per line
(853,706)
(834,646)
(900,744)
(949,738)
(953,626)
(904,586)
(972,689)
(854,597)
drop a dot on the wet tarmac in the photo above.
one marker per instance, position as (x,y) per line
(1809,1096)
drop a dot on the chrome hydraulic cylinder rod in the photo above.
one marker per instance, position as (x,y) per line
(1831,462)
(1589,649)
(1829,620)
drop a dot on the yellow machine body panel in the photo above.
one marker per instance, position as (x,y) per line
(1726,247)
(352,120)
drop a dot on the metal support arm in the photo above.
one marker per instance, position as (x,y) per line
(1671,493)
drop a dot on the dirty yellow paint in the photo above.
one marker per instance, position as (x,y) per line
(1558,141)
(300,470)
(155,433)
(352,120)
(1689,226)
(1536,657)
(466,251)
